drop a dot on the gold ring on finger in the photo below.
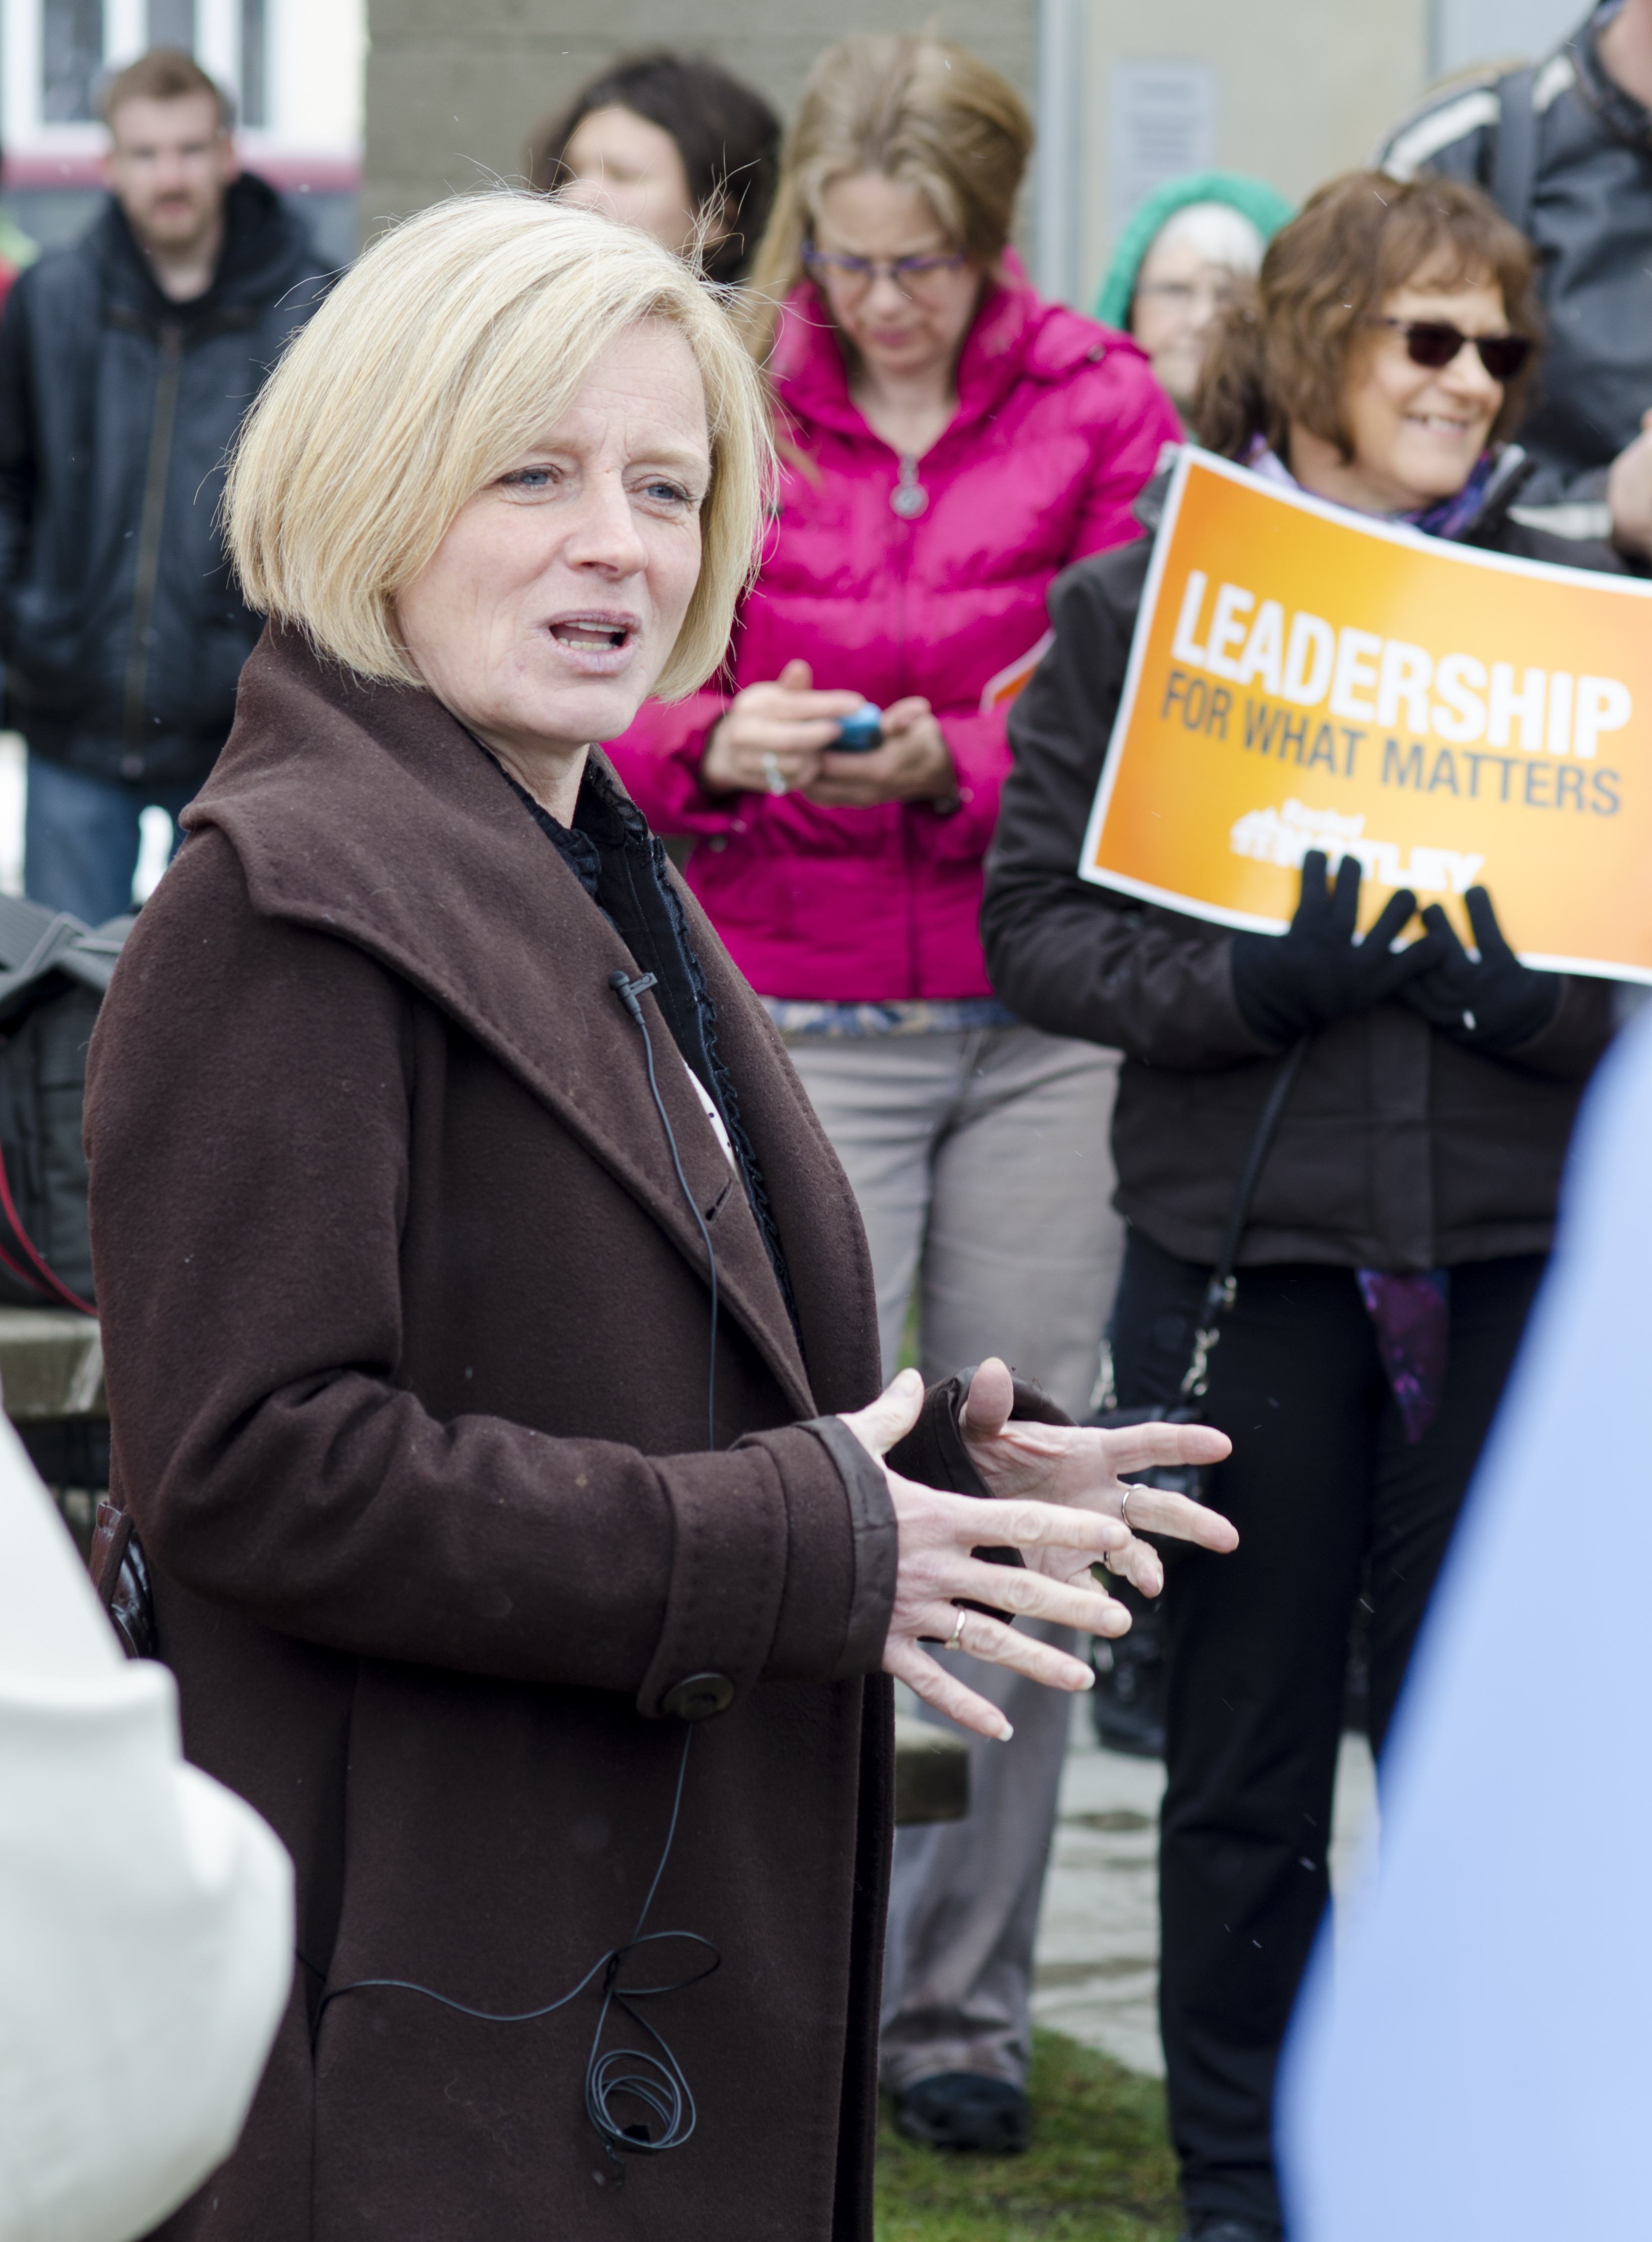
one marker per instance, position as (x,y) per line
(955,1641)
(1123,1506)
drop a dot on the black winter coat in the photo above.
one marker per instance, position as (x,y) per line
(1399,1149)
(121,628)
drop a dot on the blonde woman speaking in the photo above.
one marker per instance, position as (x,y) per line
(491,1347)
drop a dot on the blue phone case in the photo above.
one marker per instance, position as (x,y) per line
(859,734)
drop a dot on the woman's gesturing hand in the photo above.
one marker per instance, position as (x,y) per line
(1061,1511)
(771,740)
(1081,1465)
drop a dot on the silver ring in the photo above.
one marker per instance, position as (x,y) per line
(1123,1506)
(955,1641)
(774,778)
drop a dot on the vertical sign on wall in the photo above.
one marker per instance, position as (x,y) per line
(1163,125)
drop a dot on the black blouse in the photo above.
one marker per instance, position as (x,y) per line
(622,866)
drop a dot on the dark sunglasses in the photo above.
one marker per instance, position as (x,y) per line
(1435,343)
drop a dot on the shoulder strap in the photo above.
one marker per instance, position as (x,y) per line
(1219,1293)
(35,942)
(1513,171)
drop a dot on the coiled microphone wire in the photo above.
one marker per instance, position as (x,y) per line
(653,2075)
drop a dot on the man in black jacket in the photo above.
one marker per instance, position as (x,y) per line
(1565,148)
(126,364)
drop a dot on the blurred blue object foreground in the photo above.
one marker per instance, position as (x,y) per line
(1482,2063)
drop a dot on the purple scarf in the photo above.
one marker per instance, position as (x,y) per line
(1411,1314)
(1446,517)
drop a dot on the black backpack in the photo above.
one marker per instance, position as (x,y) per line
(53,973)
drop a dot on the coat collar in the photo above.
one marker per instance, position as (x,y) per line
(265,249)
(365,811)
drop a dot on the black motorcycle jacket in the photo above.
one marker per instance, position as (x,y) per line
(121,629)
(1584,185)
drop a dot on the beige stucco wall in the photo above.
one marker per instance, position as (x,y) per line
(1304,88)
(456,86)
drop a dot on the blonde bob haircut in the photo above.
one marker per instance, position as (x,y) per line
(455,344)
(911,107)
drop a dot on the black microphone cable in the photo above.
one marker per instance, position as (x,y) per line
(627,991)
(655,2080)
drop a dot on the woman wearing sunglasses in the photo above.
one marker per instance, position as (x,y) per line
(1400,1224)
(950,444)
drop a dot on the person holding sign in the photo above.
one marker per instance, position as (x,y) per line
(1399,1227)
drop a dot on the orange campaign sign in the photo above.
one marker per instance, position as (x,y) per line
(1304,678)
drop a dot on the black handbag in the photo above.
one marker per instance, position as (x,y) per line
(1193,1480)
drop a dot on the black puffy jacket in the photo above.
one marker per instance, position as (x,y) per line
(121,629)
(1589,215)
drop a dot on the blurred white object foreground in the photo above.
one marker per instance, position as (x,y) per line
(14,783)
(1480,2061)
(145,1914)
(155,827)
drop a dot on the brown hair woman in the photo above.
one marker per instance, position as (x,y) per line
(675,144)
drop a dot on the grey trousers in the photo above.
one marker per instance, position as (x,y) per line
(982,1164)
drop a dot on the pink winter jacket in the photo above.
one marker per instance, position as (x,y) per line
(1059,423)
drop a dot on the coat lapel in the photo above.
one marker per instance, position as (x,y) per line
(813,1202)
(365,811)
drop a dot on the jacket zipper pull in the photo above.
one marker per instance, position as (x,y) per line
(909,498)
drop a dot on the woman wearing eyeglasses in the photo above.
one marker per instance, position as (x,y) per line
(1181,256)
(950,444)
(1400,1225)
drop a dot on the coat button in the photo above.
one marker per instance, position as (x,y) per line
(131,766)
(698,1697)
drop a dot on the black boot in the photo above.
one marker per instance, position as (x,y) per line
(964,2110)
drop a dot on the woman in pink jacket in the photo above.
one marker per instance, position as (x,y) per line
(950,444)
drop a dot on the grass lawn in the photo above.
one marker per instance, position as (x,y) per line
(1100,2169)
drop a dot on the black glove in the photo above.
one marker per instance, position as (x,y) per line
(1288,984)
(1491,1002)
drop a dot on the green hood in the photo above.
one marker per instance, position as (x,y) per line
(1267,209)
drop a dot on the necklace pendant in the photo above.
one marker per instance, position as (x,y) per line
(909,498)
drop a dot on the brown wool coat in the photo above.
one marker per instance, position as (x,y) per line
(405,1328)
